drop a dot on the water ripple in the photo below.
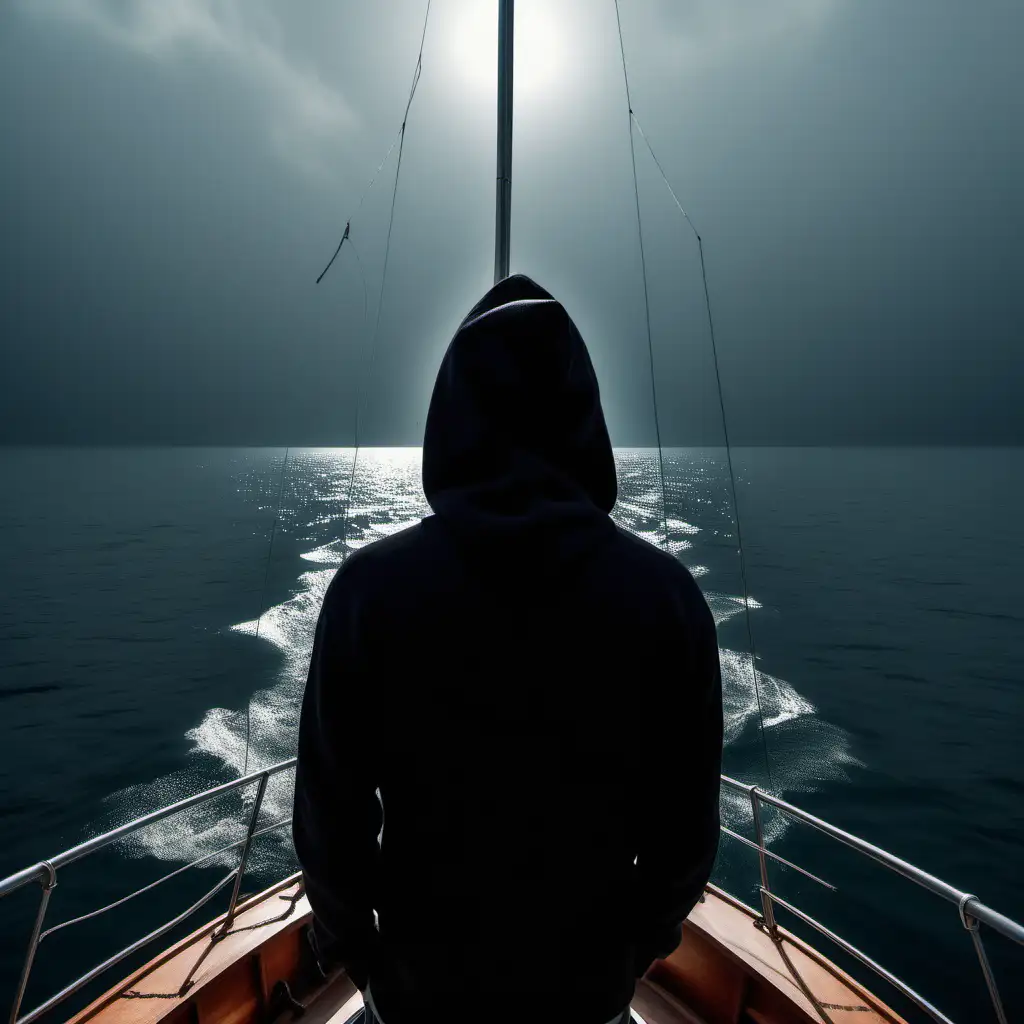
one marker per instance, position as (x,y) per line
(387,498)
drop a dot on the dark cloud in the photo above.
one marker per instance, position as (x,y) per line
(176,172)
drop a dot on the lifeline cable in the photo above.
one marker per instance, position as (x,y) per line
(643,270)
(718,381)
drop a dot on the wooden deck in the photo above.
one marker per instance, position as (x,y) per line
(230,981)
(727,970)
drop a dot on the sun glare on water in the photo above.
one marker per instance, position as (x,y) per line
(539,47)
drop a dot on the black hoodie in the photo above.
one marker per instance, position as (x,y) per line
(534,693)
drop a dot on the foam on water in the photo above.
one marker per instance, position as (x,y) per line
(388,497)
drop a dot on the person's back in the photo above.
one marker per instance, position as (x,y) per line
(534,692)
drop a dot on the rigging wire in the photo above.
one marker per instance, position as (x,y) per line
(664,176)
(346,237)
(348,224)
(277,507)
(362,276)
(396,141)
(364,372)
(263,597)
(633,120)
(647,302)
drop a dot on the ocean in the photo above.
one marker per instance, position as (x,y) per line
(147,627)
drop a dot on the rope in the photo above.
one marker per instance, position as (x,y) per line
(643,269)
(216,937)
(664,177)
(365,371)
(348,224)
(362,276)
(263,597)
(755,675)
(399,135)
(736,518)
(399,140)
(292,902)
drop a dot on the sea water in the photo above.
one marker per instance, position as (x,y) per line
(153,642)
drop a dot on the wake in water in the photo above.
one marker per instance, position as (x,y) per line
(387,497)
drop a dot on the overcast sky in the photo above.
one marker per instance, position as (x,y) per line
(175,173)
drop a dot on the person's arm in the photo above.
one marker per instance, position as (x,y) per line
(680,816)
(337,815)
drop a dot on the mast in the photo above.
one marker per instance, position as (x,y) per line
(503,198)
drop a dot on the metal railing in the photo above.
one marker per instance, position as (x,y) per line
(972,912)
(45,873)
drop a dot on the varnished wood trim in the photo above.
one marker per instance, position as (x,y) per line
(110,1000)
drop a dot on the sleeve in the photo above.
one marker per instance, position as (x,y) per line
(337,815)
(680,781)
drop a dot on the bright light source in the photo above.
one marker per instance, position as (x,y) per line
(539,47)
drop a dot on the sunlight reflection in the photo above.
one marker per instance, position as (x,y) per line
(387,496)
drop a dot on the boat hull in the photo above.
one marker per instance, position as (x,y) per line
(727,969)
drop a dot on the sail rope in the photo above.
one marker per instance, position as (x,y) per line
(346,237)
(365,371)
(215,936)
(634,121)
(399,137)
(647,302)
(362,277)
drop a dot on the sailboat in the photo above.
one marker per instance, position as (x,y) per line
(253,963)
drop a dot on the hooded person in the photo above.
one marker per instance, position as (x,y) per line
(511,734)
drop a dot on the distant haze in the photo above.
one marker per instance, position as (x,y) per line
(176,173)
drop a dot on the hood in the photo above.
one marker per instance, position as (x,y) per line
(516,455)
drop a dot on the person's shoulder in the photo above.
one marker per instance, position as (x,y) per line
(387,550)
(384,554)
(377,565)
(649,557)
(657,568)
